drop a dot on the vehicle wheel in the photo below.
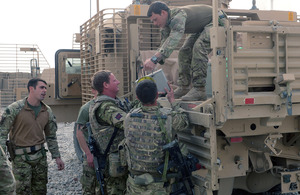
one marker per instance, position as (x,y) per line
(77,148)
(240,192)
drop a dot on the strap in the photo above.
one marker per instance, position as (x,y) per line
(162,127)
(111,141)
(29,149)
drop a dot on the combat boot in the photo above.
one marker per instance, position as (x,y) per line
(195,94)
(181,91)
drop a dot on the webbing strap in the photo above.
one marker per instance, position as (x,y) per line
(162,127)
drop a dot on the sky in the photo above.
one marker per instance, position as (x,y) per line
(51,23)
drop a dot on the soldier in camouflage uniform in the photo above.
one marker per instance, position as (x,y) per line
(88,179)
(7,180)
(107,112)
(30,123)
(147,130)
(148,2)
(195,20)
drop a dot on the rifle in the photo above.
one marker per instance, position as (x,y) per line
(99,159)
(184,165)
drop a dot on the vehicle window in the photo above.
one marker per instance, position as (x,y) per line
(73,66)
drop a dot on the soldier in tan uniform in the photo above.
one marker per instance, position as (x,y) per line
(30,123)
(147,130)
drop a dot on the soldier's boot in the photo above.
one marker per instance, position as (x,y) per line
(181,91)
(195,94)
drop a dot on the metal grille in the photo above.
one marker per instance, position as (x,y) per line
(76,41)
(18,63)
(21,58)
(149,35)
(104,46)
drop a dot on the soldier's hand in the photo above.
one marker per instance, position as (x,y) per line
(90,160)
(60,163)
(149,65)
(170,94)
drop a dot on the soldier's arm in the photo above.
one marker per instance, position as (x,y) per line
(177,26)
(50,133)
(180,119)
(135,104)
(83,144)
(82,119)
(7,120)
(110,114)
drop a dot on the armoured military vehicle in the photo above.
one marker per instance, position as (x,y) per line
(246,134)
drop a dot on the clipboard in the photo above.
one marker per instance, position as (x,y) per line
(160,80)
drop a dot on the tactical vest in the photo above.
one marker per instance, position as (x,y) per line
(145,139)
(102,132)
(198,16)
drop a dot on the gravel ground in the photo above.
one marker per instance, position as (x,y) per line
(65,182)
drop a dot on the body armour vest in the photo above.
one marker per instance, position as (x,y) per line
(145,139)
(102,132)
(198,16)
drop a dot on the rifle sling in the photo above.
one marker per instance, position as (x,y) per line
(111,141)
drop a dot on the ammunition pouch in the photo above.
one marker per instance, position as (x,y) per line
(122,153)
(145,179)
(11,150)
(115,167)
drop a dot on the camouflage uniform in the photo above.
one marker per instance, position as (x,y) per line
(7,180)
(88,179)
(144,139)
(148,2)
(30,168)
(196,21)
(107,113)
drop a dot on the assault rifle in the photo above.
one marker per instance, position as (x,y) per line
(184,165)
(99,159)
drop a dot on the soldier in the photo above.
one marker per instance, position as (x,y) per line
(7,181)
(107,114)
(88,179)
(195,20)
(147,2)
(30,123)
(147,130)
